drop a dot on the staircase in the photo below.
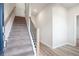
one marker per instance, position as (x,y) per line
(19,43)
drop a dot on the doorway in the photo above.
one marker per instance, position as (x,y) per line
(77,32)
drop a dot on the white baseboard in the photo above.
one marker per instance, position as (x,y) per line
(46,44)
(72,44)
(32,43)
(9,29)
(31,40)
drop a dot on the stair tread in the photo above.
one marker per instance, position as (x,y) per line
(19,43)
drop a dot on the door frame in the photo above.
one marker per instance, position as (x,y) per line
(76,29)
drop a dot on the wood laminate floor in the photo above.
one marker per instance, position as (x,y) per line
(66,50)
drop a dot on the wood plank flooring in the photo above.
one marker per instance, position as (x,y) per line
(66,50)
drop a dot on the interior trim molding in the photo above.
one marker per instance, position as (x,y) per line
(9,16)
(31,38)
(51,49)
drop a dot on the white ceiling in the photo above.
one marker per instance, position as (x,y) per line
(39,6)
(69,5)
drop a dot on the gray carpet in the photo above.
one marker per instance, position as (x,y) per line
(19,43)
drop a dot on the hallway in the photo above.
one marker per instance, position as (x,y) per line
(19,43)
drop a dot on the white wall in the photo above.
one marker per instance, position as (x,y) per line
(20,9)
(44,22)
(52,23)
(7,10)
(72,15)
(34,21)
(59,26)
